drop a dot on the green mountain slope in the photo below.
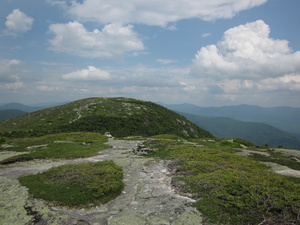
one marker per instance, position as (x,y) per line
(258,133)
(119,116)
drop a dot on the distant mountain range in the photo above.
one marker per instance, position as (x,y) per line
(284,118)
(14,109)
(19,106)
(26,108)
(258,133)
(273,126)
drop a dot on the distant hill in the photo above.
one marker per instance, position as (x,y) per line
(10,113)
(19,106)
(258,133)
(119,116)
(29,108)
(284,118)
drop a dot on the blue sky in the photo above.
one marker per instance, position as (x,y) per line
(209,53)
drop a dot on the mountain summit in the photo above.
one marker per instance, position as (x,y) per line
(119,116)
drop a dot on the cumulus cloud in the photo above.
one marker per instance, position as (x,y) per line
(113,40)
(90,74)
(17,22)
(156,12)
(247,52)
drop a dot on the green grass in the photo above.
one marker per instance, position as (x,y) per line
(77,184)
(231,189)
(167,136)
(82,144)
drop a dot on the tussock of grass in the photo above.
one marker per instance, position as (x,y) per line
(77,145)
(231,189)
(77,184)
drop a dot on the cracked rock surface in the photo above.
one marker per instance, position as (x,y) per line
(148,197)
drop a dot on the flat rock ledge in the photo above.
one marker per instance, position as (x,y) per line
(148,197)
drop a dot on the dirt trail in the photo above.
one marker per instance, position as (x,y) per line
(148,197)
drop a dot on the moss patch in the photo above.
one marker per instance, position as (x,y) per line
(77,184)
(63,145)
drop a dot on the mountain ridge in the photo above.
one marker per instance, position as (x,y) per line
(284,118)
(120,116)
(258,133)
(218,124)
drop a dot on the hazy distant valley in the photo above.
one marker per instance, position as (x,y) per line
(273,126)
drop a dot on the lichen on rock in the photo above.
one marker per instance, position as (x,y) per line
(13,198)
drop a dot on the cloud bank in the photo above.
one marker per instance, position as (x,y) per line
(155,12)
(113,40)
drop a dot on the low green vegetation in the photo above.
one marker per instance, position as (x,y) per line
(279,158)
(63,145)
(231,189)
(167,136)
(2,140)
(77,184)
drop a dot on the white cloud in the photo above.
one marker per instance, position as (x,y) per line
(206,35)
(247,52)
(14,86)
(165,61)
(156,12)
(9,68)
(89,74)
(137,81)
(288,82)
(113,40)
(60,3)
(144,76)
(47,88)
(235,87)
(18,22)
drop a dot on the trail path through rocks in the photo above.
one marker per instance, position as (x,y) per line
(148,197)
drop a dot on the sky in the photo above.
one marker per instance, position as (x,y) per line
(208,53)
